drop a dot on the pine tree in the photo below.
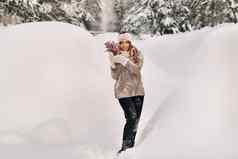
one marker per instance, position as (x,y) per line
(70,11)
(210,12)
(92,10)
(151,16)
(120,11)
(233,10)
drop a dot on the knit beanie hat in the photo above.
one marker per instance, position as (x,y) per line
(124,36)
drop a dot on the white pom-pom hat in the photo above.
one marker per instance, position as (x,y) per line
(124,36)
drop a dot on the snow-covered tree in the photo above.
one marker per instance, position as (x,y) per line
(93,8)
(210,12)
(151,16)
(70,11)
(77,13)
(233,10)
(120,11)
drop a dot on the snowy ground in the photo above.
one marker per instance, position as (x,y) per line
(57,95)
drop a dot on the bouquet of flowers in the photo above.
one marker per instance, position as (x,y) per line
(112,46)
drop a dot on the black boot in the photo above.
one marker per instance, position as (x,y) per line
(122,149)
(125,145)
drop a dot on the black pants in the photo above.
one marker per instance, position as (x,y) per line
(132,107)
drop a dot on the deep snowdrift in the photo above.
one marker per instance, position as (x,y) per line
(56,89)
(53,86)
(199,119)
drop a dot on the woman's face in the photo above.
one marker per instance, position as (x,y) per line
(124,45)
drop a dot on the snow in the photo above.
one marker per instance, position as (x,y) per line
(167,21)
(107,15)
(57,94)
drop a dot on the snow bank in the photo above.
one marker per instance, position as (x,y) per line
(199,119)
(53,89)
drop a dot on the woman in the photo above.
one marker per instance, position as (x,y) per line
(128,88)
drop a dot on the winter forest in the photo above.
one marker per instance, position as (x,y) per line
(155,17)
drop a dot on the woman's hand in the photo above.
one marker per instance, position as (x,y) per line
(120,59)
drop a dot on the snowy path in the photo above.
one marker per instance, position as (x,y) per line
(57,95)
